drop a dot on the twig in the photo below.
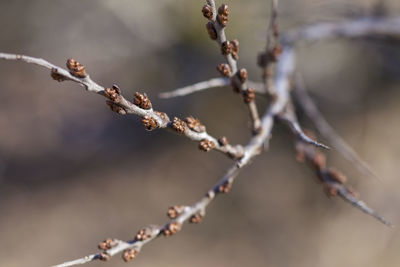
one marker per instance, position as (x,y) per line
(289,117)
(253,148)
(150,118)
(323,127)
(209,84)
(239,84)
(365,27)
(332,180)
(272,49)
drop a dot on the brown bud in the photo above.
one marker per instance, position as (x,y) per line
(175,211)
(171,229)
(223,10)
(207,12)
(248,95)
(104,256)
(129,254)
(76,68)
(149,122)
(235,45)
(224,69)
(223,141)
(211,30)
(225,187)
(114,93)
(196,218)
(143,234)
(319,160)
(206,145)
(226,48)
(142,101)
(222,20)
(57,76)
(330,191)
(178,125)
(195,125)
(242,75)
(114,107)
(107,244)
(337,176)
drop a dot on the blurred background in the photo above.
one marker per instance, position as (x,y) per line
(72,173)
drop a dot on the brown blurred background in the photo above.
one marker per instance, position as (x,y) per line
(73,173)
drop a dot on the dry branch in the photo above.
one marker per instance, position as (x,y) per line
(194,130)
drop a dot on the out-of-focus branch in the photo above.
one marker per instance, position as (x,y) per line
(209,84)
(267,59)
(142,107)
(364,27)
(333,181)
(323,127)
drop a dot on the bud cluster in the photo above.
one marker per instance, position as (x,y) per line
(76,68)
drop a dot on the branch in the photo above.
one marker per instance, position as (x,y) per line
(290,119)
(230,50)
(365,27)
(142,107)
(267,59)
(209,84)
(333,181)
(197,211)
(323,127)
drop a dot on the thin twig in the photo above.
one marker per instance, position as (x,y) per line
(289,117)
(334,182)
(161,120)
(242,86)
(272,43)
(324,128)
(209,84)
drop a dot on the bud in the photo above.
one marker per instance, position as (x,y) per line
(129,254)
(175,211)
(195,125)
(226,48)
(171,229)
(207,12)
(76,68)
(248,95)
(178,125)
(206,145)
(56,76)
(211,30)
(149,122)
(224,69)
(242,75)
(142,101)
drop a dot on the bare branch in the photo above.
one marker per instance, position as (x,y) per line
(209,84)
(290,119)
(323,127)
(332,180)
(365,27)
(150,118)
